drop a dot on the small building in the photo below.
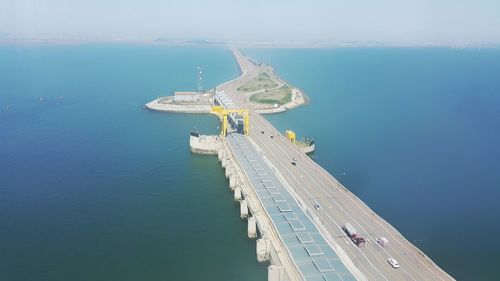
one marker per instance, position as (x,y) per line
(186,96)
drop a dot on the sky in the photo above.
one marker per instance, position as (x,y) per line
(399,21)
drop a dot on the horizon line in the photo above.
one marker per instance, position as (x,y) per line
(243,43)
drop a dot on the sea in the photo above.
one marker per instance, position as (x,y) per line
(95,187)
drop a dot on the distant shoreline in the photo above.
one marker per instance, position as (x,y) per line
(246,44)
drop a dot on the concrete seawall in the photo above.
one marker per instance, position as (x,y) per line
(308,149)
(158,105)
(205,145)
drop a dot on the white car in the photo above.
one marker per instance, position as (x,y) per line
(394,263)
(382,241)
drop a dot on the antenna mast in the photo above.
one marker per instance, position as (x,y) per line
(200,80)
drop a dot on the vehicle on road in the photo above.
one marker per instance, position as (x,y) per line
(382,241)
(352,234)
(293,163)
(394,263)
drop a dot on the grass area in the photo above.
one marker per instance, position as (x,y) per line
(279,96)
(263,81)
(301,143)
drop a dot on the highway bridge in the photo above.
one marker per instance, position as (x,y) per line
(324,201)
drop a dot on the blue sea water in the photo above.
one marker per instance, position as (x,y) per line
(415,133)
(93,187)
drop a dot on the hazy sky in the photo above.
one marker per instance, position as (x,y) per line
(416,21)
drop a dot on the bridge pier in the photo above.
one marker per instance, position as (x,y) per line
(233,181)
(243,209)
(237,194)
(263,252)
(252,228)
(229,170)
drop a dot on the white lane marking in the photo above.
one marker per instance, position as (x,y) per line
(378,223)
(351,218)
(401,268)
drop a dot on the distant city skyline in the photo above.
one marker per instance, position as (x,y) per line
(316,21)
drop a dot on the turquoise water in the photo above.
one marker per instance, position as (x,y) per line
(416,134)
(94,187)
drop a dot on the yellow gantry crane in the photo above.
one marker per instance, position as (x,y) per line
(291,136)
(223,113)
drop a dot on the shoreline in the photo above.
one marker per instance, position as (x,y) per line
(298,98)
(286,107)
(13,40)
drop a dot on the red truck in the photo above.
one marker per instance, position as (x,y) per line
(351,233)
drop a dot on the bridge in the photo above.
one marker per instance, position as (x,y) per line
(301,208)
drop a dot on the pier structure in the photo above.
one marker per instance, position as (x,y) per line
(204,144)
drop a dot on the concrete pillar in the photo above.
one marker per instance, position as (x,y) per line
(251,205)
(263,250)
(243,209)
(261,224)
(229,170)
(233,181)
(252,228)
(237,194)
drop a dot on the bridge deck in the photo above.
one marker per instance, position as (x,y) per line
(313,256)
